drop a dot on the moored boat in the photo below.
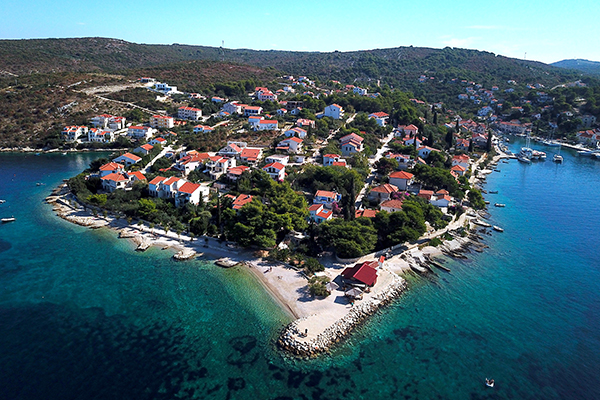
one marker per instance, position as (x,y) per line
(226,262)
(557,158)
(5,220)
(497,228)
(500,205)
(2,201)
(523,159)
(493,192)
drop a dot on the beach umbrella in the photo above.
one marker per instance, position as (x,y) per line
(354,292)
(331,286)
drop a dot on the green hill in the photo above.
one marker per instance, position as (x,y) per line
(590,67)
(399,66)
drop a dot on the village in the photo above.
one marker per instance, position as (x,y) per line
(352,184)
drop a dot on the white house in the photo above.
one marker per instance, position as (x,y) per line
(73,133)
(407,130)
(250,155)
(382,192)
(189,113)
(217,166)
(463,160)
(302,122)
(424,151)
(202,129)
(380,117)
(266,125)
(391,205)
(128,159)
(252,110)
(334,111)
(351,144)
(191,193)
(100,136)
(360,91)
(165,88)
(291,145)
(231,150)
(108,121)
(298,132)
(162,121)
(278,158)
(275,170)
(233,107)
(111,168)
(158,141)
(327,198)
(140,132)
(114,181)
(329,159)
(318,213)
(401,179)
(441,198)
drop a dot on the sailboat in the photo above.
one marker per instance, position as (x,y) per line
(557,157)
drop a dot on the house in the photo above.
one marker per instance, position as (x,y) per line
(266,95)
(231,150)
(114,181)
(380,117)
(100,136)
(424,151)
(144,149)
(252,110)
(403,160)
(282,111)
(250,155)
(329,159)
(351,144)
(382,192)
(234,107)
(425,194)
(410,141)
(190,162)
(295,111)
(334,111)
(298,132)
(135,176)
(302,122)
(216,99)
(463,160)
(254,120)
(165,88)
(588,137)
(111,168)
(162,121)
(140,132)
(327,198)
(401,179)
(202,129)
(291,145)
(391,205)
(235,173)
(366,213)
(361,274)
(360,91)
(278,158)
(128,159)
(407,130)
(275,170)
(73,133)
(104,121)
(462,144)
(318,213)
(240,201)
(189,113)
(441,199)
(480,140)
(217,166)
(191,193)
(266,125)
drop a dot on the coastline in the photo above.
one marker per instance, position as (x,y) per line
(318,323)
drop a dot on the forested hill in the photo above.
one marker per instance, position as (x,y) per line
(590,67)
(396,66)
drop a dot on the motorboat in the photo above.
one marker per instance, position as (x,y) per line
(493,192)
(557,158)
(489,382)
(523,159)
(499,205)
(2,201)
(497,228)
(5,220)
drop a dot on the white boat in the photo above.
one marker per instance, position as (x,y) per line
(497,228)
(586,153)
(557,158)
(500,205)
(5,220)
(2,201)
(523,159)
(489,382)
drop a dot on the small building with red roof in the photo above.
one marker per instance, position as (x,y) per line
(111,168)
(391,205)
(401,179)
(367,213)
(361,274)
(114,181)
(128,159)
(382,192)
(240,201)
(318,213)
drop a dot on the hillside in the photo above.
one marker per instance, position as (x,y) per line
(589,67)
(399,66)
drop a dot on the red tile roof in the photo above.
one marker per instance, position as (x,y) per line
(157,180)
(364,273)
(401,175)
(189,187)
(385,188)
(396,204)
(365,213)
(111,166)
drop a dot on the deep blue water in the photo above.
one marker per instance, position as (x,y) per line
(82,316)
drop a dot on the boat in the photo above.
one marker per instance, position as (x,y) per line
(226,262)
(586,153)
(523,159)
(489,382)
(557,158)
(493,192)
(497,170)
(505,161)
(497,228)
(40,184)
(500,205)
(481,223)
(5,220)
(2,201)
(487,202)
(64,153)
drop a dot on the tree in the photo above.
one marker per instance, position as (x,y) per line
(488,145)
(317,286)
(470,146)
(349,238)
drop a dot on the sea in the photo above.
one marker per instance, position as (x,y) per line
(83,316)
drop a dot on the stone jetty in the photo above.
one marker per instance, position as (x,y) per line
(291,341)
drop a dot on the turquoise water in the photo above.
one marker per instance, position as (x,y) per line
(83,316)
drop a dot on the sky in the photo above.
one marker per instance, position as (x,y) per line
(540,30)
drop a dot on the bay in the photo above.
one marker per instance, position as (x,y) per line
(83,316)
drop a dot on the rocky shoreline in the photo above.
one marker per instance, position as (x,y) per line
(288,340)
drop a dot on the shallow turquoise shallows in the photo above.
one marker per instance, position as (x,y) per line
(82,316)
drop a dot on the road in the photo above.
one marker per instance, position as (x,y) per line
(334,132)
(384,149)
(161,154)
